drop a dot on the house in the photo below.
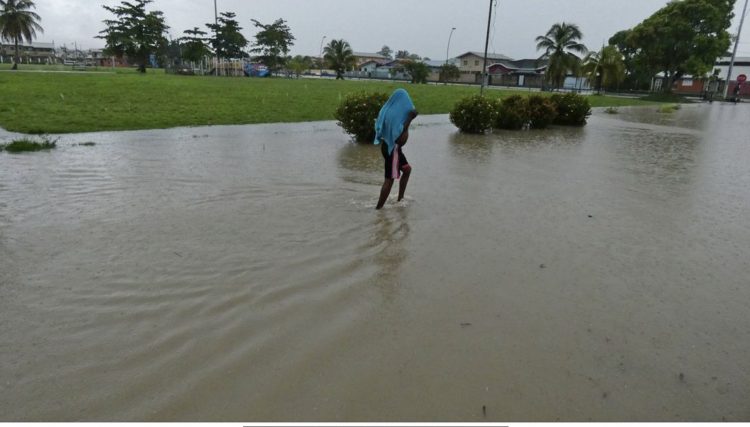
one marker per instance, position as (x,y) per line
(435,67)
(471,65)
(521,72)
(29,53)
(697,86)
(502,70)
(363,57)
(98,58)
(368,68)
(741,66)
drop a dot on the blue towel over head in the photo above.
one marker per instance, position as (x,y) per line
(392,118)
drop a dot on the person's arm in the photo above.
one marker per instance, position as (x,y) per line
(401,141)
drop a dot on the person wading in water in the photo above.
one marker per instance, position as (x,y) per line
(392,132)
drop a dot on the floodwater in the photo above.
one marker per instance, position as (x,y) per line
(242,274)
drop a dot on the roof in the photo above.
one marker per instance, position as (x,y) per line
(370,62)
(531,63)
(523,66)
(435,64)
(34,45)
(370,55)
(492,56)
(739,60)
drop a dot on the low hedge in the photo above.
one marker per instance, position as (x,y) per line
(572,109)
(541,111)
(358,113)
(512,113)
(477,114)
(474,114)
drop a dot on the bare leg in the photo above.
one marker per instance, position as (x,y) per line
(404,182)
(384,193)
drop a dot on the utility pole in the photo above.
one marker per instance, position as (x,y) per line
(486,47)
(734,52)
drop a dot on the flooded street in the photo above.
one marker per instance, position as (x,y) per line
(242,274)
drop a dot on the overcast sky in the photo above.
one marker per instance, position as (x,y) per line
(421,27)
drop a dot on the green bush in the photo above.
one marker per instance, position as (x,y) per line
(572,109)
(358,113)
(513,113)
(474,114)
(542,112)
(25,144)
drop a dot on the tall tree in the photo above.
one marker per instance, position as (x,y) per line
(403,54)
(228,41)
(299,64)
(605,68)
(18,22)
(135,33)
(194,45)
(272,43)
(560,45)
(386,51)
(417,70)
(684,37)
(339,56)
(637,74)
(449,73)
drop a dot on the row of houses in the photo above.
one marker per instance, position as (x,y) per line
(29,53)
(48,53)
(505,71)
(502,69)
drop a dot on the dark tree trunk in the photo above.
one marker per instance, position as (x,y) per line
(670,81)
(15,62)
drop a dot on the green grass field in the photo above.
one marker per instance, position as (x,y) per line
(38,102)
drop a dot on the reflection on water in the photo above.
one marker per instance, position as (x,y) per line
(242,274)
(390,236)
(361,163)
(687,117)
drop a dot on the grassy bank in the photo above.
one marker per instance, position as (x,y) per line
(62,102)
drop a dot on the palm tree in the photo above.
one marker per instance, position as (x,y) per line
(18,22)
(607,66)
(559,44)
(339,56)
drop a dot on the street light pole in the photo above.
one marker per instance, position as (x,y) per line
(447,50)
(734,52)
(216,33)
(486,47)
(321,56)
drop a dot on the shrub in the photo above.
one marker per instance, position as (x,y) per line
(474,114)
(358,113)
(449,73)
(513,113)
(419,71)
(541,111)
(25,144)
(572,109)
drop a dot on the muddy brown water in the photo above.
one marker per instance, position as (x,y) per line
(242,274)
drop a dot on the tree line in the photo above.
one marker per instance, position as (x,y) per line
(684,37)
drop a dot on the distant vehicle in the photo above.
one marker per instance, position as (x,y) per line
(256,70)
